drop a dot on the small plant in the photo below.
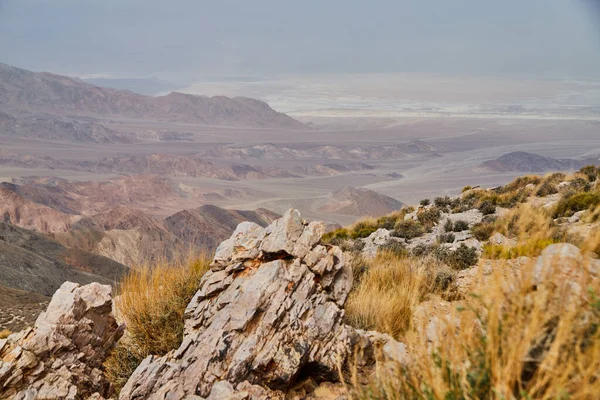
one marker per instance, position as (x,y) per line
(487,208)
(482,231)
(576,202)
(428,218)
(446,238)
(466,189)
(362,229)
(449,226)
(591,172)
(460,226)
(425,202)
(408,229)
(442,202)
(4,333)
(461,258)
(546,189)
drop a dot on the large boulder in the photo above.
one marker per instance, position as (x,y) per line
(61,356)
(269,311)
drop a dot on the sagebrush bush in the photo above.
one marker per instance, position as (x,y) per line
(151,303)
(428,218)
(425,202)
(482,231)
(447,237)
(408,229)
(460,226)
(487,208)
(461,258)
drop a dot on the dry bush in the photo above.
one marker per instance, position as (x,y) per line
(151,303)
(515,340)
(533,229)
(4,333)
(388,290)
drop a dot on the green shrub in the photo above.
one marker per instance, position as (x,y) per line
(425,202)
(448,225)
(546,189)
(442,201)
(428,218)
(338,234)
(408,229)
(387,222)
(446,238)
(362,229)
(461,258)
(577,202)
(482,231)
(487,208)
(590,171)
(460,226)
(466,188)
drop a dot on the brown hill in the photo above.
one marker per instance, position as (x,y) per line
(520,161)
(360,202)
(35,263)
(60,95)
(209,225)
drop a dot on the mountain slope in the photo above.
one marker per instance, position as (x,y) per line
(209,225)
(34,263)
(49,93)
(520,161)
(360,202)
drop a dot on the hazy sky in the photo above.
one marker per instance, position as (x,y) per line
(183,40)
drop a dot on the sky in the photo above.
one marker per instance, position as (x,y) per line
(185,40)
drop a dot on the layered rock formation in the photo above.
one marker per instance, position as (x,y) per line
(61,356)
(270,310)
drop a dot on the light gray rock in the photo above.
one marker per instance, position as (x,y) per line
(375,240)
(61,356)
(501,240)
(259,320)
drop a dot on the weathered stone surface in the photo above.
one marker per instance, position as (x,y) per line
(563,265)
(269,310)
(61,356)
(375,240)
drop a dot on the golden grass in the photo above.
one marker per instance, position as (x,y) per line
(385,297)
(4,333)
(151,303)
(515,340)
(531,227)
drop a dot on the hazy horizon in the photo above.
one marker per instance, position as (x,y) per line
(187,41)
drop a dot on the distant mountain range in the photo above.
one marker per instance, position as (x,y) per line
(43,94)
(520,161)
(106,218)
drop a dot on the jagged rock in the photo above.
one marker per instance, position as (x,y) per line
(375,240)
(501,240)
(269,310)
(61,356)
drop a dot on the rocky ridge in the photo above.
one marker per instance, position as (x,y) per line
(270,309)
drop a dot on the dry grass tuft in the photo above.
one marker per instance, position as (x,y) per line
(4,333)
(515,340)
(387,292)
(152,302)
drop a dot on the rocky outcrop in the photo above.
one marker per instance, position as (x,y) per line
(269,311)
(61,356)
